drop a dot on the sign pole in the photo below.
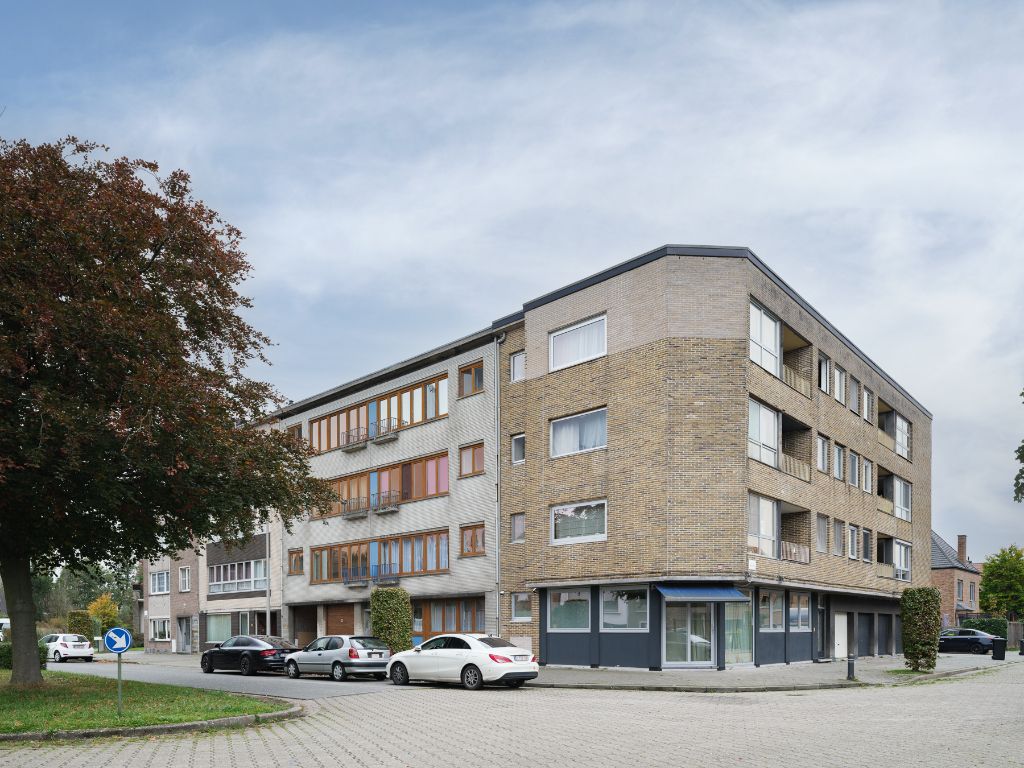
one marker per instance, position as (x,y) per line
(119,685)
(118,641)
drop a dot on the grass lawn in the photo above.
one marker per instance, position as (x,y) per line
(908,671)
(68,701)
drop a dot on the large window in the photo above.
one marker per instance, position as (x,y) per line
(853,395)
(821,457)
(624,609)
(238,577)
(901,498)
(432,617)
(771,611)
(576,523)
(839,391)
(765,339)
(521,610)
(854,474)
(218,627)
(838,537)
(159,582)
(763,433)
(868,479)
(583,432)
(577,344)
(852,541)
(471,460)
(838,461)
(160,629)
(185,579)
(471,379)
(800,611)
(762,531)
(386,486)
(296,566)
(517,524)
(518,449)
(902,437)
(901,558)
(569,610)
(821,533)
(472,540)
(405,555)
(517,366)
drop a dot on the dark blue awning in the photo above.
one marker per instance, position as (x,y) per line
(704,594)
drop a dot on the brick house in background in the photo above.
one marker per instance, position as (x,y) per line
(957,579)
(171,602)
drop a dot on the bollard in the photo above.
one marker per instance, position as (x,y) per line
(849,667)
(1021,648)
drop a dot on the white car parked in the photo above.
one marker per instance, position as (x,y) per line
(473,660)
(64,647)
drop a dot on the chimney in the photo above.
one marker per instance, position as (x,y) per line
(961,547)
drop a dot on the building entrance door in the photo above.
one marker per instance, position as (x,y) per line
(689,636)
(840,646)
(184,635)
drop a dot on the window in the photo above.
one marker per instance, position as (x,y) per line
(838,538)
(854,473)
(838,461)
(521,610)
(763,433)
(865,550)
(405,555)
(238,577)
(569,610)
(853,396)
(866,404)
(576,434)
(518,449)
(243,625)
(576,523)
(840,388)
(902,560)
(901,498)
(471,379)
(390,485)
(518,526)
(218,627)
(764,339)
(902,437)
(517,366)
(472,540)
(295,431)
(624,609)
(959,589)
(800,611)
(822,454)
(867,482)
(185,579)
(471,460)
(296,566)
(853,541)
(771,611)
(973,587)
(577,344)
(159,582)
(761,533)
(822,533)
(823,378)
(160,629)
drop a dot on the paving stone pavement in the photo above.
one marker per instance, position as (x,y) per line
(975,720)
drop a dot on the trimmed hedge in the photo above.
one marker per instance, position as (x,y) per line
(80,623)
(7,655)
(922,621)
(391,616)
(997,627)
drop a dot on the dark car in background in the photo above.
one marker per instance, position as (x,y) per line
(248,654)
(961,640)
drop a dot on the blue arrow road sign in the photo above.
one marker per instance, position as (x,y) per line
(117,640)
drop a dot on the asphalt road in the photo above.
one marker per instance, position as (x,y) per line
(264,683)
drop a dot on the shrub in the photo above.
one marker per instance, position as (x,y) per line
(103,610)
(922,622)
(997,627)
(80,623)
(7,655)
(391,615)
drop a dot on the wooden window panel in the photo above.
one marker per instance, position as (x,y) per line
(442,474)
(472,540)
(431,477)
(418,479)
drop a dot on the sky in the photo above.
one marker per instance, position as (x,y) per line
(405,173)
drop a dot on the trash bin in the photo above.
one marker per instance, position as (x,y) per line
(998,649)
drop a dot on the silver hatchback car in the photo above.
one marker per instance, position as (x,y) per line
(340,656)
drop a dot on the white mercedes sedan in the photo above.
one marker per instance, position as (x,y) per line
(473,660)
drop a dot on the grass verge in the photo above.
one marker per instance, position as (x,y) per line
(908,671)
(70,702)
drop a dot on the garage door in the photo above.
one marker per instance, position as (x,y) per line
(341,619)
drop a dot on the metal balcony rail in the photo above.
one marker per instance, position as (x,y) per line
(384,430)
(355,574)
(355,436)
(796,381)
(795,553)
(386,500)
(384,572)
(355,504)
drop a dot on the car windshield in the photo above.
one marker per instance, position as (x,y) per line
(369,643)
(75,639)
(495,642)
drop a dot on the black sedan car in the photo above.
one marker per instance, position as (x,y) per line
(248,654)
(958,640)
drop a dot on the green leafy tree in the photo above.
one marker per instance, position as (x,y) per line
(921,617)
(1002,582)
(391,615)
(126,415)
(103,610)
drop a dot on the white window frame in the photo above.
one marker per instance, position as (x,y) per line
(210,638)
(578,539)
(824,379)
(866,397)
(838,461)
(627,630)
(853,393)
(529,602)
(853,542)
(899,547)
(515,356)
(821,457)
(840,385)
(551,434)
(153,635)
(772,594)
(577,630)
(255,582)
(903,513)
(154,578)
(838,542)
(853,469)
(866,539)
(243,615)
(868,476)
(512,527)
(902,446)
(776,352)
(974,592)
(960,590)
(512,448)
(185,578)
(819,520)
(554,334)
(756,413)
(799,626)
(756,498)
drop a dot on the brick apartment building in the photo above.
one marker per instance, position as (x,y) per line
(171,603)
(957,579)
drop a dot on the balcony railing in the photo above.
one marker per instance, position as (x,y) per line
(795,553)
(384,431)
(355,575)
(887,440)
(884,570)
(795,467)
(355,439)
(355,508)
(885,505)
(385,503)
(384,573)
(796,381)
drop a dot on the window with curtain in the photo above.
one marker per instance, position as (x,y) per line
(471,460)
(577,344)
(838,537)
(569,610)
(838,461)
(518,526)
(575,523)
(763,528)
(822,533)
(822,454)
(518,449)
(517,366)
(583,432)
(739,633)
(218,627)
(763,433)
(765,339)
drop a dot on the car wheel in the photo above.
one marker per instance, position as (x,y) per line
(338,672)
(977,648)
(206,665)
(514,683)
(472,680)
(88,658)
(245,666)
(399,674)
(58,658)
(380,676)
(293,670)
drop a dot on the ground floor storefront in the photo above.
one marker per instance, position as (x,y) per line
(671,625)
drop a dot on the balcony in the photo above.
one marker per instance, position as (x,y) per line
(797,361)
(795,467)
(885,505)
(356,576)
(355,440)
(794,553)
(355,508)
(385,503)
(887,440)
(384,431)
(885,571)
(384,573)
(796,448)
(796,381)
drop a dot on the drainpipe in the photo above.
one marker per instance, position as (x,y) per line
(266,570)
(497,485)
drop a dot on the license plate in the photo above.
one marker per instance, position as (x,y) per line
(376,655)
(83,645)
(521,658)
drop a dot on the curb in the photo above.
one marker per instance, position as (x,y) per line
(700,688)
(237,721)
(941,675)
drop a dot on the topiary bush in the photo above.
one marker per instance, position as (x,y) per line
(391,615)
(922,622)
(80,623)
(7,654)
(997,627)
